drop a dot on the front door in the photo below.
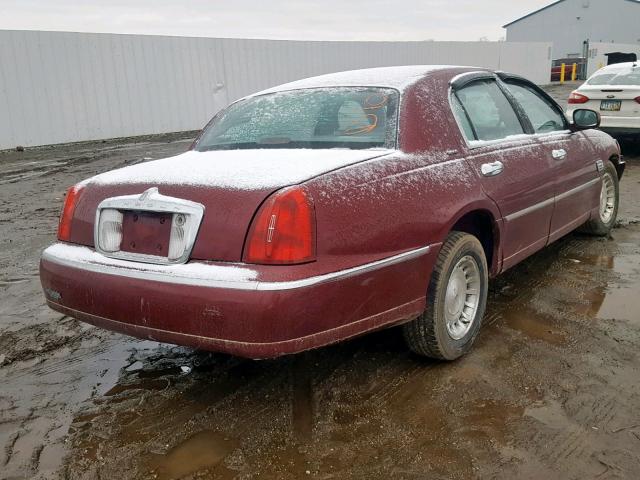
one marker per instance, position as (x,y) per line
(577,182)
(576,178)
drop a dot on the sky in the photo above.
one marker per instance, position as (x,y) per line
(274,19)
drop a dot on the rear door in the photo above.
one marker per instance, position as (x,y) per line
(573,161)
(511,165)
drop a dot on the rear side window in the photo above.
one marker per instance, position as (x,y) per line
(463,119)
(543,117)
(488,111)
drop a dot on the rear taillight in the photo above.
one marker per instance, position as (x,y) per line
(284,230)
(637,99)
(70,202)
(576,97)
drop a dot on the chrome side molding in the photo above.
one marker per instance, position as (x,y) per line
(549,201)
(203,274)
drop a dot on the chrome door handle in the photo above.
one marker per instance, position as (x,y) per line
(559,154)
(492,169)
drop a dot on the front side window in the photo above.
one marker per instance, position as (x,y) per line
(489,111)
(354,118)
(543,117)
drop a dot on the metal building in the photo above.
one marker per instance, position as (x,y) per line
(572,24)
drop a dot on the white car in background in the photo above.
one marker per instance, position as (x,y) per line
(614,91)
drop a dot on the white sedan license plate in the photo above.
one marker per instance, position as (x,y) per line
(610,105)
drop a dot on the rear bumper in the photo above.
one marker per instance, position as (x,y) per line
(227,308)
(620,125)
(614,131)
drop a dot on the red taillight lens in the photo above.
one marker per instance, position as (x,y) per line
(70,202)
(637,99)
(576,97)
(284,230)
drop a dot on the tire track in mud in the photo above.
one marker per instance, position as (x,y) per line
(558,442)
(8,450)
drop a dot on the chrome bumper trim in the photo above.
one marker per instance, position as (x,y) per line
(528,210)
(549,201)
(203,274)
(579,188)
(349,272)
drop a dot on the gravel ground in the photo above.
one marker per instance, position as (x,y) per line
(550,391)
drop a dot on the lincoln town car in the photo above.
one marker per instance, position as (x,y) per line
(334,206)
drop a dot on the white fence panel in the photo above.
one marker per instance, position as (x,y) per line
(58,87)
(597,51)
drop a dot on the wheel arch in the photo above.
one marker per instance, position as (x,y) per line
(618,164)
(482,222)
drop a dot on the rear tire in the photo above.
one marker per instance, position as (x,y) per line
(602,224)
(456,301)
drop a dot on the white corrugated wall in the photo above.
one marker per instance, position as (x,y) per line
(58,87)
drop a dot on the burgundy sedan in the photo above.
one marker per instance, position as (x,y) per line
(333,206)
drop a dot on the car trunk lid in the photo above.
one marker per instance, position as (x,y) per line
(231,185)
(604,99)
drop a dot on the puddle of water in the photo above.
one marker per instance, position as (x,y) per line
(534,325)
(618,299)
(549,413)
(146,384)
(203,450)
(57,383)
(490,419)
(621,303)
(622,300)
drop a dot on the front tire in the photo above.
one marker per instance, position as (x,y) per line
(602,224)
(456,301)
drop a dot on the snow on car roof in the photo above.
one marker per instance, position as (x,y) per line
(619,66)
(394,77)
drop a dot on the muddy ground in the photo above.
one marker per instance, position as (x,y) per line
(551,390)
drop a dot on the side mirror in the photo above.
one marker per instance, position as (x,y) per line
(583,119)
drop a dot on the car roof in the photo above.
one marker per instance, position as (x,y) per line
(619,66)
(399,77)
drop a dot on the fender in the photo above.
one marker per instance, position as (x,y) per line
(487,206)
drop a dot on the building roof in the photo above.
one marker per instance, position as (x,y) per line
(549,6)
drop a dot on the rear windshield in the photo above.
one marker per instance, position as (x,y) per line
(619,77)
(356,118)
